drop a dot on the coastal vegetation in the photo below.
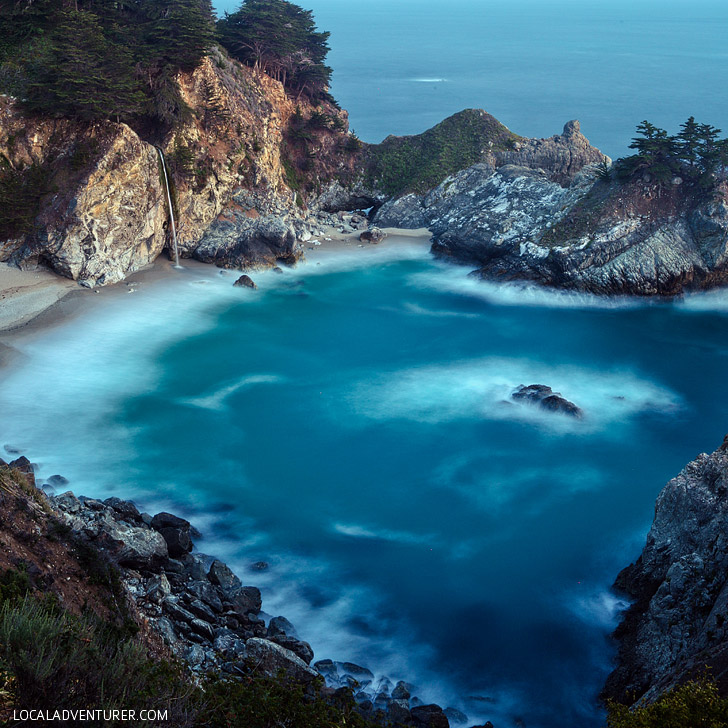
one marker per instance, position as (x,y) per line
(696,155)
(96,59)
(280,39)
(419,163)
(697,703)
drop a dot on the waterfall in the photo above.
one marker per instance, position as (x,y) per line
(171,211)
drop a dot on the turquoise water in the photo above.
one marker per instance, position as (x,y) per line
(401,67)
(346,423)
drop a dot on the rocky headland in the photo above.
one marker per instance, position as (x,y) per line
(254,175)
(144,571)
(677,626)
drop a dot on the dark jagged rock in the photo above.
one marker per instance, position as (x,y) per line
(175,531)
(677,625)
(429,716)
(298,647)
(546,398)
(245,281)
(221,575)
(281,627)
(269,658)
(126,509)
(244,600)
(402,691)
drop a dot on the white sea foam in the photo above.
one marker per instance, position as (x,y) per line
(482,388)
(456,279)
(216,400)
(702,302)
(383,534)
(418,310)
(596,606)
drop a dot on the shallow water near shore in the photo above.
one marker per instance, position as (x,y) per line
(349,423)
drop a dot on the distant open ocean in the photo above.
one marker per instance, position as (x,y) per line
(400,66)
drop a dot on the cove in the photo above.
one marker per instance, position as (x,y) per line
(350,424)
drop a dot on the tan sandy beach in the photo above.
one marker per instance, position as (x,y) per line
(33,300)
(26,294)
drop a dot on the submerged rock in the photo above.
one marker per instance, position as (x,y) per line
(547,399)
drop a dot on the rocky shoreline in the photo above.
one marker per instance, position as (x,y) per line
(677,626)
(206,617)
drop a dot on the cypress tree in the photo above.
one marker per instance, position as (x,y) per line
(82,74)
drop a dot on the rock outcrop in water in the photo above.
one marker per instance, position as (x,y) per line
(545,398)
(540,212)
(677,625)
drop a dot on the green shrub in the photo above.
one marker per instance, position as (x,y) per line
(58,661)
(696,704)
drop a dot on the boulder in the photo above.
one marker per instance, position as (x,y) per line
(547,399)
(175,531)
(244,600)
(133,546)
(245,281)
(298,647)
(372,235)
(206,593)
(398,712)
(429,716)
(158,588)
(268,658)
(125,509)
(281,627)
(195,566)
(402,691)
(328,669)
(221,575)
(356,671)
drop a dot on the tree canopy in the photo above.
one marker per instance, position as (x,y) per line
(94,59)
(280,39)
(696,154)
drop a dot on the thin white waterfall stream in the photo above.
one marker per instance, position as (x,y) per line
(171,210)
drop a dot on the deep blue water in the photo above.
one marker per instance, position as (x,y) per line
(347,424)
(401,67)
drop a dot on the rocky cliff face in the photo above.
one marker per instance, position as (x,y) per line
(93,196)
(102,213)
(678,623)
(539,212)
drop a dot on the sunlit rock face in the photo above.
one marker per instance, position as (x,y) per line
(102,209)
